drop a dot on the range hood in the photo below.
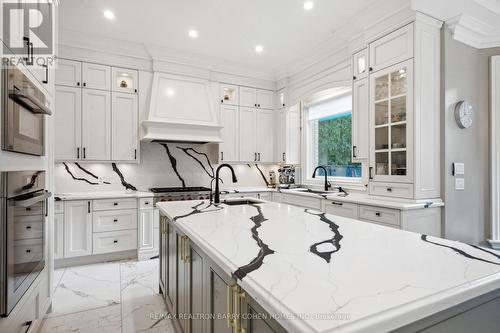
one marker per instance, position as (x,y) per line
(182,109)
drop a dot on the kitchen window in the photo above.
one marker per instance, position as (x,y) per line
(328,125)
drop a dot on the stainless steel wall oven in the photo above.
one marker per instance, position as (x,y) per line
(23,113)
(23,211)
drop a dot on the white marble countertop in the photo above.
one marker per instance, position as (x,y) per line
(362,276)
(102,195)
(248,189)
(371,200)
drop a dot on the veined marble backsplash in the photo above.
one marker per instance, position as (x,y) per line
(162,165)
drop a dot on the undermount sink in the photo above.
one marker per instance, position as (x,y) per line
(241,202)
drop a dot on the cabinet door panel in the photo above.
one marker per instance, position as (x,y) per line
(96,76)
(68,123)
(69,73)
(248,97)
(58,236)
(196,290)
(392,48)
(96,125)
(265,136)
(360,121)
(248,135)
(77,228)
(173,260)
(391,124)
(229,148)
(265,99)
(124,127)
(292,140)
(217,303)
(146,228)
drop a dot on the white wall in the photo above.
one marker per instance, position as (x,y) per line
(155,170)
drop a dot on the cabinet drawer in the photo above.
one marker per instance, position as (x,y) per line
(36,209)
(28,250)
(392,48)
(343,209)
(398,190)
(146,203)
(58,207)
(114,241)
(28,227)
(114,220)
(380,215)
(109,204)
(302,201)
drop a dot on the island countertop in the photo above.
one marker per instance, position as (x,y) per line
(302,265)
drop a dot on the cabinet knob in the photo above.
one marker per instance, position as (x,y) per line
(258,105)
(28,251)
(378,214)
(146,203)
(354,77)
(78,84)
(389,189)
(371,69)
(84,84)
(135,90)
(222,101)
(115,220)
(115,203)
(28,227)
(115,241)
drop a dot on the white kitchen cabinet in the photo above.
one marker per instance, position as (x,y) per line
(391,49)
(301,201)
(360,121)
(77,228)
(146,229)
(96,125)
(391,124)
(113,220)
(96,76)
(69,73)
(68,123)
(265,136)
(288,135)
(58,236)
(248,97)
(124,127)
(230,122)
(248,135)
(343,209)
(124,80)
(229,94)
(114,241)
(360,65)
(265,99)
(257,98)
(281,99)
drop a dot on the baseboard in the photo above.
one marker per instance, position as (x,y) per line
(95,259)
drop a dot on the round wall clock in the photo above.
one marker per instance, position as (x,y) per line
(464,114)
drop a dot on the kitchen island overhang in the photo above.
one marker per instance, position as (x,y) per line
(297,263)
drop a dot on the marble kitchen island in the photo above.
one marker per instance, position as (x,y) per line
(315,272)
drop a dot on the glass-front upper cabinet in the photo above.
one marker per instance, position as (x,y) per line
(124,80)
(360,65)
(391,106)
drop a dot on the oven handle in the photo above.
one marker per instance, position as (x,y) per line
(30,102)
(31,201)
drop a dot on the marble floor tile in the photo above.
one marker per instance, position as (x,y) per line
(87,287)
(58,274)
(141,303)
(101,320)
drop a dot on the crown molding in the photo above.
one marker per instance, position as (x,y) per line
(476,33)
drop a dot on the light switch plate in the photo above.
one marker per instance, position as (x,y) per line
(458,169)
(459,184)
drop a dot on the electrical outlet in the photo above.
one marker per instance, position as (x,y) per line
(459,184)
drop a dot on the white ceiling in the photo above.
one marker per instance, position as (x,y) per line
(228,29)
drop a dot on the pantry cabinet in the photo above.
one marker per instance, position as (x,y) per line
(230,122)
(96,116)
(77,228)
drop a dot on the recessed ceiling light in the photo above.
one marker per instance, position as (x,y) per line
(259,49)
(193,33)
(308,5)
(109,15)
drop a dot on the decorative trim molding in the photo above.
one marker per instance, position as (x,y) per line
(495,152)
(474,32)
